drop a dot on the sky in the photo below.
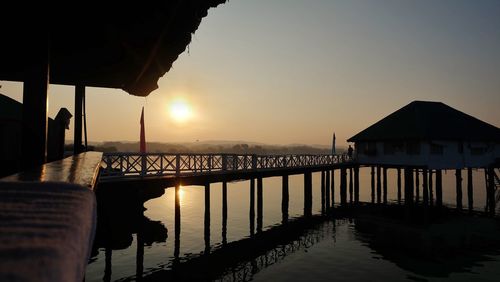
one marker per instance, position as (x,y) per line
(288,72)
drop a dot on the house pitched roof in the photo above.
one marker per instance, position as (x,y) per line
(421,120)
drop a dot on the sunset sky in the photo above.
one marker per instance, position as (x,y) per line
(283,72)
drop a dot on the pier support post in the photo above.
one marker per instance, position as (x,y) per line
(252,206)
(490,186)
(470,192)
(351,187)
(333,188)
(373,184)
(417,186)
(323,188)
(327,190)
(408,186)
(343,187)
(356,185)
(77,133)
(284,199)
(379,186)
(439,188)
(431,192)
(384,185)
(307,194)
(458,177)
(425,187)
(260,204)
(207,218)
(399,185)
(224,213)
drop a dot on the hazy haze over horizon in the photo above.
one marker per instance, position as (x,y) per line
(276,73)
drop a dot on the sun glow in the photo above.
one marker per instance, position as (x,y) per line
(180,111)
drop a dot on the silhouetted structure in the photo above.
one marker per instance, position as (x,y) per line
(423,137)
(11,114)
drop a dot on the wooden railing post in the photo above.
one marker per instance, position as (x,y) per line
(254,161)
(224,162)
(177,164)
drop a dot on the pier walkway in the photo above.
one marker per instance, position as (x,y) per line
(166,168)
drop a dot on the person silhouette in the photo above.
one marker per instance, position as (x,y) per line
(349,152)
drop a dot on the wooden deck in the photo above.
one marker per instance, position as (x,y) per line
(47,220)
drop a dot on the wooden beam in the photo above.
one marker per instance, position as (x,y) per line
(77,140)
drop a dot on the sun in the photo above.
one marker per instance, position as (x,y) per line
(180,111)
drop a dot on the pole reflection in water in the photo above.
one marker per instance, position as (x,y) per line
(177,215)
(207,218)
(107,268)
(140,250)
(224,213)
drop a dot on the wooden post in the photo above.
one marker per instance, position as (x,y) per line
(431,192)
(35,104)
(260,204)
(379,186)
(207,218)
(373,183)
(356,184)
(333,188)
(470,192)
(491,191)
(323,188)
(284,199)
(343,186)
(425,187)
(408,186)
(399,185)
(224,213)
(77,143)
(351,187)
(458,177)
(252,206)
(417,187)
(327,190)
(307,194)
(439,188)
(177,220)
(384,185)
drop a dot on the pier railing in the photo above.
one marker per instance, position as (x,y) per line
(119,165)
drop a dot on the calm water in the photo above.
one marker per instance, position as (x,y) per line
(328,249)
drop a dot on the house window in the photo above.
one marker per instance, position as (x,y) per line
(369,148)
(413,148)
(388,148)
(436,149)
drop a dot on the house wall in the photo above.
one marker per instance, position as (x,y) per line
(475,154)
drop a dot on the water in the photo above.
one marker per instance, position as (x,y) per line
(316,249)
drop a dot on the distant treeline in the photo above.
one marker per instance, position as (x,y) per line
(238,148)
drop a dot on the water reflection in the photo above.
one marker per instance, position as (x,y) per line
(221,214)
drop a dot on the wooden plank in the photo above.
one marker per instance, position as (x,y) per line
(81,170)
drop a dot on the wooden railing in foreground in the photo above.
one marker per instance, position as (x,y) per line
(119,165)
